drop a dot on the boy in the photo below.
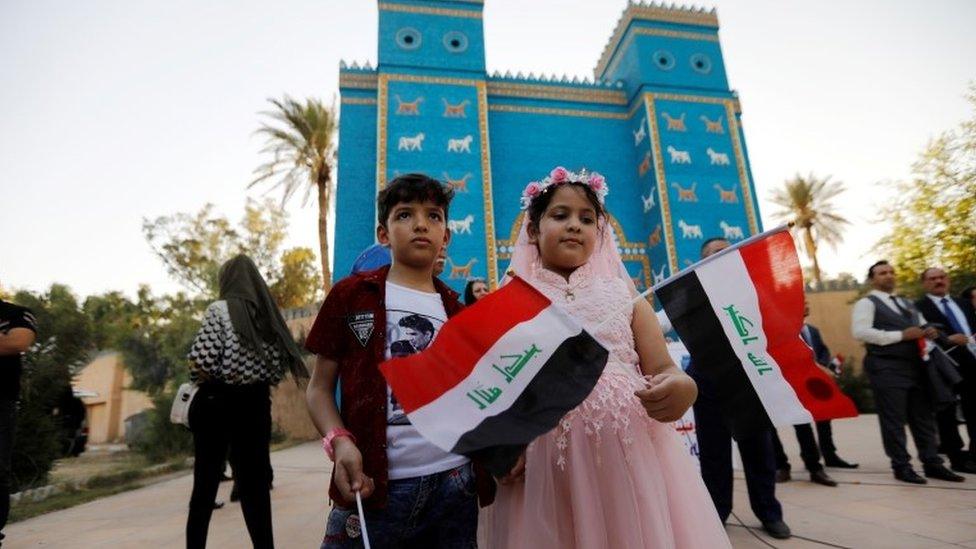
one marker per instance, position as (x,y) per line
(417,494)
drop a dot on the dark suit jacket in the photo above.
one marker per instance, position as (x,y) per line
(965,359)
(820,351)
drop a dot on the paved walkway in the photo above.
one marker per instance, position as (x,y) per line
(870,509)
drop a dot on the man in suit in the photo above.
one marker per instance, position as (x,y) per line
(958,323)
(715,448)
(891,328)
(809,451)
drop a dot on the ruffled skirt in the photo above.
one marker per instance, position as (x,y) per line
(607,477)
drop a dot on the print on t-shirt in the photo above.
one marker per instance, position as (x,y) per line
(408,332)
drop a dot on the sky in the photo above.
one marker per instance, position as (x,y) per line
(111,112)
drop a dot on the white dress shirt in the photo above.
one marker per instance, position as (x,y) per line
(664,321)
(862,320)
(960,316)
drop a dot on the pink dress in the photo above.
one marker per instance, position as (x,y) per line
(608,476)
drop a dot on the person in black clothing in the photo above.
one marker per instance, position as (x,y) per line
(968,297)
(957,322)
(242,348)
(18,329)
(715,449)
(809,451)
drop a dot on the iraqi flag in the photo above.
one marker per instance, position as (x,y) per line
(740,312)
(499,374)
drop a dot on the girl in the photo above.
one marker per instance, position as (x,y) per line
(242,348)
(613,474)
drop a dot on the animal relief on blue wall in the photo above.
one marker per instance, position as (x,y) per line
(716,158)
(458,185)
(409,108)
(414,143)
(460,145)
(456,110)
(675,124)
(679,156)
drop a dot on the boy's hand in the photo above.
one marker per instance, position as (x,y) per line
(349,475)
(668,396)
(517,473)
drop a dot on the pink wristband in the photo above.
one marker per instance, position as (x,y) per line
(330,436)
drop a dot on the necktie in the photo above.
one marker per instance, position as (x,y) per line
(904,312)
(952,318)
(805,334)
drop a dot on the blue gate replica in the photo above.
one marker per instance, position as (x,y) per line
(658,120)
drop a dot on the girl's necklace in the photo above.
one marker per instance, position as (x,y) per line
(570,291)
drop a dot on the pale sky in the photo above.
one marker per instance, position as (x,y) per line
(115,111)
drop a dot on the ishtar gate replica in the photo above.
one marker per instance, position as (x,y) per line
(658,119)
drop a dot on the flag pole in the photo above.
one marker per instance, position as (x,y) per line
(699,263)
(362,519)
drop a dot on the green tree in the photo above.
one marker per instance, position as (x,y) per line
(194,246)
(62,347)
(807,202)
(933,215)
(301,142)
(297,281)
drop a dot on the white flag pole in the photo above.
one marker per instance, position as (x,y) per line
(362,519)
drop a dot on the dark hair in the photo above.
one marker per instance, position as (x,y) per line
(417,322)
(876,264)
(925,273)
(469,297)
(967,294)
(412,187)
(709,241)
(539,204)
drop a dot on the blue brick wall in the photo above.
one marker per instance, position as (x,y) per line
(677,178)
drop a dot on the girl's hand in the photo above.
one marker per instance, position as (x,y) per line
(517,474)
(668,396)
(349,475)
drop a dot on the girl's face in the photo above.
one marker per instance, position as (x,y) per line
(479,290)
(567,231)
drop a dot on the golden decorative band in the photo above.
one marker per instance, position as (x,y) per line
(558,112)
(360,81)
(358,100)
(609,97)
(430,11)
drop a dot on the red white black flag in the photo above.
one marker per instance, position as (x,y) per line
(739,312)
(500,373)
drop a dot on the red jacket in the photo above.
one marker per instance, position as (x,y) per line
(351,329)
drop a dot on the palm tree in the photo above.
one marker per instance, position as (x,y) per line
(301,140)
(807,202)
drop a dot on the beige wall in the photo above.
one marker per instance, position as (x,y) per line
(831,313)
(288,410)
(114,401)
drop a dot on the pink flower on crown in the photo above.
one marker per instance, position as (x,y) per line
(533,189)
(559,174)
(596,182)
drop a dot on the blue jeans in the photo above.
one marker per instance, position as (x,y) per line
(439,510)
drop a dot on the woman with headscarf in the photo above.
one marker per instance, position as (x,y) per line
(240,351)
(474,290)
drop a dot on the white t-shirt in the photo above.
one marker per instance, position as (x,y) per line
(413,319)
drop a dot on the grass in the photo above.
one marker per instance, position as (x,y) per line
(93,476)
(103,474)
(66,499)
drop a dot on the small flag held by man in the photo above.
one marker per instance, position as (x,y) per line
(739,312)
(500,373)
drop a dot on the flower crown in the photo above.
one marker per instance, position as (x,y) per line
(560,175)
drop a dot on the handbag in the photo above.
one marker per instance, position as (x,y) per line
(179,413)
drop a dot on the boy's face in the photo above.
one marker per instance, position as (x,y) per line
(415,233)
